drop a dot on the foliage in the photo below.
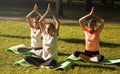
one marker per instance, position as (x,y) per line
(76,10)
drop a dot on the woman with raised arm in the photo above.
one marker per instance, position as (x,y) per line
(36,42)
(49,34)
(34,27)
(92,42)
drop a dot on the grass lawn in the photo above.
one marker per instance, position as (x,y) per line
(71,38)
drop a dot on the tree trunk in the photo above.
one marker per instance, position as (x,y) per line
(88,5)
(112,1)
(69,2)
(59,7)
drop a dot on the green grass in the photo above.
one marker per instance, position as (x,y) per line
(71,38)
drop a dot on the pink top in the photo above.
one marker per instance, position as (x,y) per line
(92,40)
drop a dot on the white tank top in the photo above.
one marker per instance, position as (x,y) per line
(36,38)
(49,47)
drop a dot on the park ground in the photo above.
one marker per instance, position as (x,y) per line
(14,30)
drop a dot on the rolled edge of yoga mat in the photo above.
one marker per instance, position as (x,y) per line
(14,48)
(64,65)
(23,63)
(72,57)
(111,61)
(105,61)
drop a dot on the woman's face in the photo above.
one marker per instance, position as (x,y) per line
(36,23)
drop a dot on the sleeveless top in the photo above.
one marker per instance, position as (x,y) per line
(49,47)
(92,40)
(36,38)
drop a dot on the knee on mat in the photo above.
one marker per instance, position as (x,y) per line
(27,58)
(76,53)
(53,63)
(100,58)
(49,62)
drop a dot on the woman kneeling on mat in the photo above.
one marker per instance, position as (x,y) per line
(49,34)
(92,33)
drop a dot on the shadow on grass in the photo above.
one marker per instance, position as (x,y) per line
(69,40)
(117,64)
(82,41)
(94,66)
(111,45)
(12,36)
(73,40)
(63,54)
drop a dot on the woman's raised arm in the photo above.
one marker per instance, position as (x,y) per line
(81,20)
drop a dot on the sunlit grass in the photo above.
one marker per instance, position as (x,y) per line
(71,38)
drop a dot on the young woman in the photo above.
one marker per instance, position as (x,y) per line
(34,27)
(92,42)
(36,42)
(49,33)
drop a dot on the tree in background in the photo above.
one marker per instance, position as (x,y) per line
(88,5)
(59,7)
(104,1)
(70,2)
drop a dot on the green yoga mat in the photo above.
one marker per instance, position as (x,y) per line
(14,48)
(22,49)
(111,61)
(22,62)
(63,65)
(67,63)
(105,61)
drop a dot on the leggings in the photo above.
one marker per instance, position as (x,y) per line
(40,61)
(25,49)
(90,54)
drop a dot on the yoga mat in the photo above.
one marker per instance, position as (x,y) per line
(22,62)
(22,49)
(30,51)
(111,61)
(105,61)
(34,52)
(67,63)
(63,65)
(27,51)
(14,48)
(72,57)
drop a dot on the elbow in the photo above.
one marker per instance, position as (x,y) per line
(57,21)
(27,17)
(80,21)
